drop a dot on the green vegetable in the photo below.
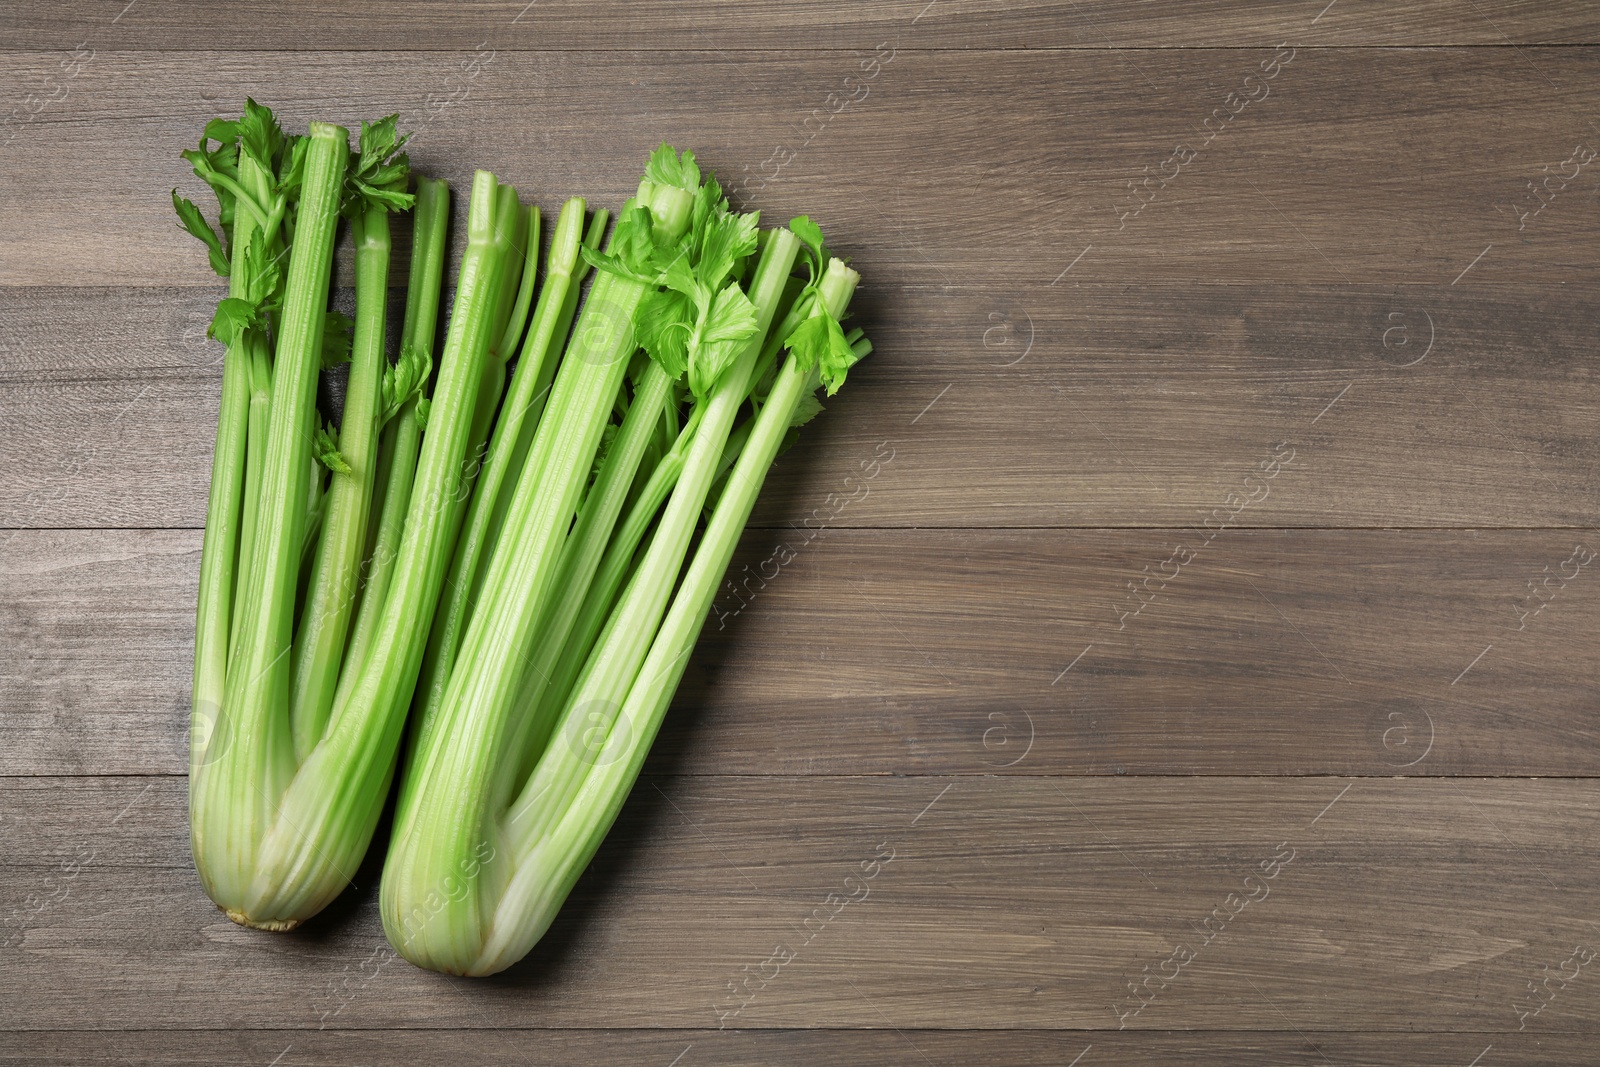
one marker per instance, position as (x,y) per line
(324,627)
(471,716)
(252,159)
(570,802)
(492,825)
(328,812)
(512,433)
(404,384)
(520,568)
(328,548)
(234,791)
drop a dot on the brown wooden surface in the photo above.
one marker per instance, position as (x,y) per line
(564,25)
(950,665)
(1285,652)
(1007,903)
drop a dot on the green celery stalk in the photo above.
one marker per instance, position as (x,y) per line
(255,454)
(470,551)
(325,623)
(438,830)
(328,812)
(570,638)
(557,663)
(234,793)
(512,246)
(402,437)
(538,389)
(611,668)
(228,522)
(454,937)
(580,557)
(516,317)
(551,863)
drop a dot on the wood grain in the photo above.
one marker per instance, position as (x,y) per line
(1003,903)
(1350,169)
(782,1048)
(723,24)
(1114,408)
(942,652)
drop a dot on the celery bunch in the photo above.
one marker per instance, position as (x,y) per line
(573,641)
(522,565)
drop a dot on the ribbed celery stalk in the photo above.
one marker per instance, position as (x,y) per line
(255,455)
(551,339)
(226,518)
(512,222)
(550,863)
(438,829)
(325,819)
(325,622)
(611,668)
(580,556)
(511,229)
(470,551)
(403,435)
(474,771)
(234,794)
(575,623)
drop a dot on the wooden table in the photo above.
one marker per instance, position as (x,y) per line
(1187,612)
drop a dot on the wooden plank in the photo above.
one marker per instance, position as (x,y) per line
(782,1048)
(1346,170)
(1141,407)
(105,630)
(1380,905)
(966,652)
(571,24)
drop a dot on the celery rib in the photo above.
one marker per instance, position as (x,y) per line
(235,793)
(330,809)
(402,438)
(320,641)
(436,828)
(552,864)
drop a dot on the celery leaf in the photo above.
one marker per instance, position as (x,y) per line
(234,316)
(724,242)
(808,408)
(327,449)
(404,379)
(259,135)
(666,167)
(335,339)
(190,219)
(724,327)
(664,324)
(633,248)
(379,174)
(819,342)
